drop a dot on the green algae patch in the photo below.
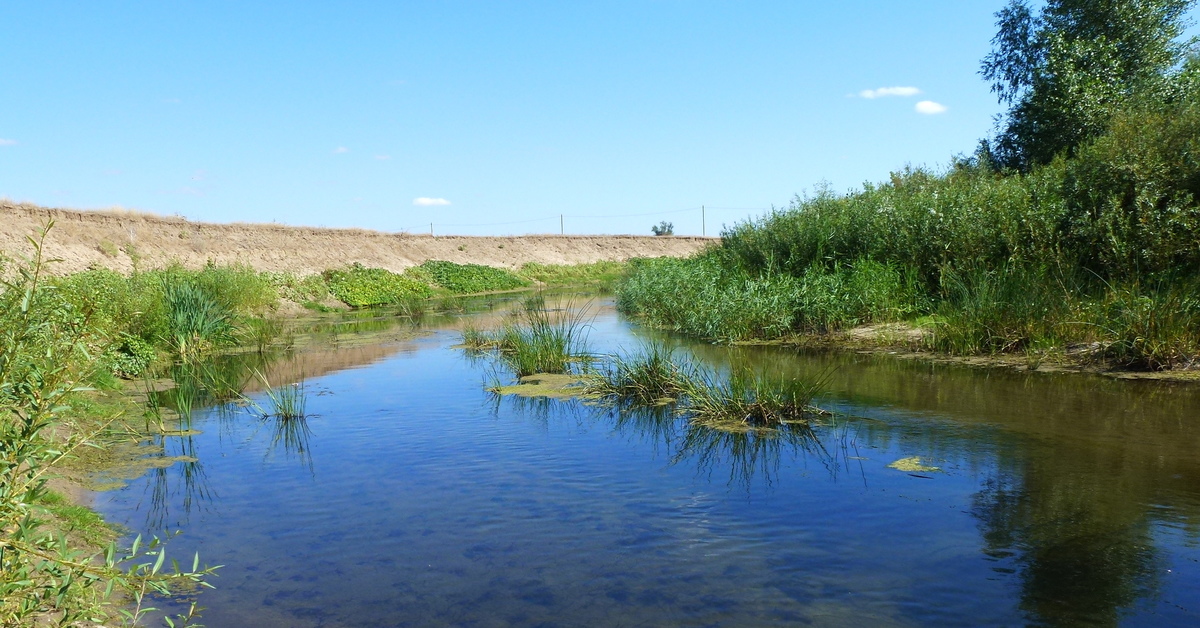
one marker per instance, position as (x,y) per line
(912,464)
(552,385)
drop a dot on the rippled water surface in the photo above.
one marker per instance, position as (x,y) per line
(411,497)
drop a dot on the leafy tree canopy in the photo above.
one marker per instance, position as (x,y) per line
(1064,70)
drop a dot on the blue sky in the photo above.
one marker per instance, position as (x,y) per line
(614,114)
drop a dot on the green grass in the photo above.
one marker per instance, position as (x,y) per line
(604,273)
(471,278)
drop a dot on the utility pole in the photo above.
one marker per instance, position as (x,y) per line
(562,230)
(703,222)
(431,229)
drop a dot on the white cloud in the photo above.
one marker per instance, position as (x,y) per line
(340,149)
(383,157)
(889,91)
(929,107)
(4,142)
(425,201)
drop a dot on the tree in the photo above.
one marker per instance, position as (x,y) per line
(1065,70)
(663,228)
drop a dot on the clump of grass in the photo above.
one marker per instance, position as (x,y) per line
(196,323)
(288,401)
(477,339)
(743,399)
(537,342)
(652,375)
(1152,328)
(747,399)
(544,342)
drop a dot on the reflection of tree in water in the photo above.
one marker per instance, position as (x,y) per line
(1080,543)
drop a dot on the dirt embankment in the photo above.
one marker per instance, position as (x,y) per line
(116,239)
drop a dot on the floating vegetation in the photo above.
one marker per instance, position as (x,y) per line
(913,464)
(558,386)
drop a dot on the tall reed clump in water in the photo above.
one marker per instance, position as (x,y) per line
(538,341)
(741,399)
(45,358)
(543,342)
(650,375)
(749,399)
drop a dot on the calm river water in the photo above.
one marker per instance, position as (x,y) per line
(412,497)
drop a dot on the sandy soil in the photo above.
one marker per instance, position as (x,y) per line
(115,239)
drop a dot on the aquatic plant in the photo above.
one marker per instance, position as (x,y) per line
(749,399)
(544,342)
(649,375)
(287,401)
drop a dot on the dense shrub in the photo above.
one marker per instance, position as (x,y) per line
(469,278)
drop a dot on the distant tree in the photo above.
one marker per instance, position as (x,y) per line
(663,228)
(1067,68)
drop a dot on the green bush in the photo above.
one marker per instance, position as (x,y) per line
(359,286)
(470,278)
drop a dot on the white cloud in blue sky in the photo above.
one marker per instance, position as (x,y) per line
(4,142)
(425,201)
(889,91)
(340,149)
(928,107)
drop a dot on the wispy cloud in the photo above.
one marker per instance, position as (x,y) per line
(383,157)
(425,201)
(928,107)
(888,91)
(4,142)
(340,149)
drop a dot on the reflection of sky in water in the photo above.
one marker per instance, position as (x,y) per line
(419,501)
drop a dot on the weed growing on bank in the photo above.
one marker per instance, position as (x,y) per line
(471,278)
(359,286)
